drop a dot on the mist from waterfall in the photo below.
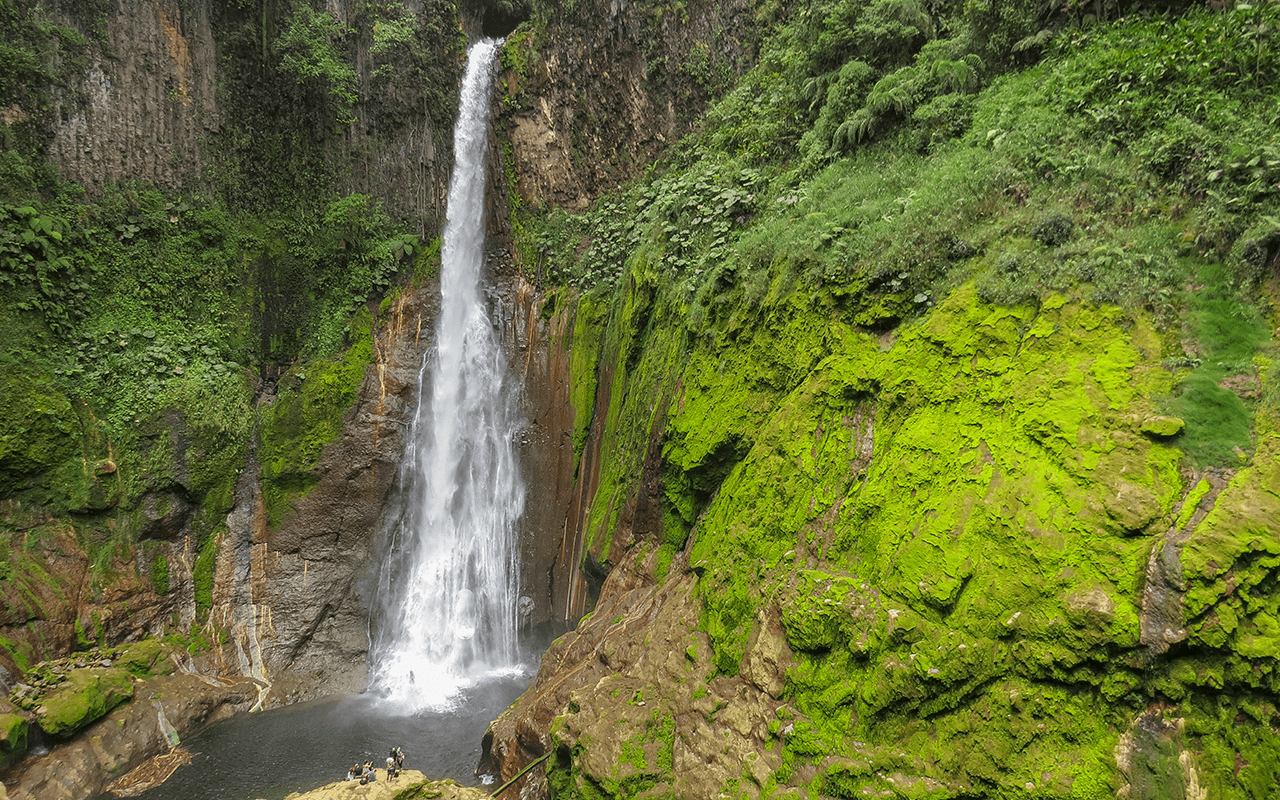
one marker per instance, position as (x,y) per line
(446,610)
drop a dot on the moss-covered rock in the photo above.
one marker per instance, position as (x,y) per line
(39,428)
(86,696)
(949,528)
(307,415)
(13,737)
(145,658)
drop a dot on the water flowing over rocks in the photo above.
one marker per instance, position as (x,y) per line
(447,603)
(308,575)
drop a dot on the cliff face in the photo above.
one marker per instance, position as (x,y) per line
(845,535)
(962,555)
(595,91)
(146,102)
(173,91)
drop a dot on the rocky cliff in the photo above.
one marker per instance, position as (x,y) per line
(852,528)
(187,96)
(895,434)
(891,587)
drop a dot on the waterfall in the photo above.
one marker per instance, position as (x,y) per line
(446,606)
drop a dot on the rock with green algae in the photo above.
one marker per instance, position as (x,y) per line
(38,427)
(13,737)
(148,657)
(951,525)
(85,696)
(1162,426)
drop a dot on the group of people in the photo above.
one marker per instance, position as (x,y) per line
(365,773)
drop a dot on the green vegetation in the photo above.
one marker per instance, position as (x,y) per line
(13,737)
(307,415)
(939,324)
(308,52)
(69,694)
(142,323)
(160,574)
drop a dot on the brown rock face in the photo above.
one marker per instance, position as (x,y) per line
(614,86)
(635,678)
(140,112)
(538,347)
(292,596)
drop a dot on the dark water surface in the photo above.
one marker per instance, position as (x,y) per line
(272,753)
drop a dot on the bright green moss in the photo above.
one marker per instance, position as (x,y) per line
(86,696)
(202,576)
(308,415)
(160,574)
(39,430)
(588,323)
(13,737)
(143,658)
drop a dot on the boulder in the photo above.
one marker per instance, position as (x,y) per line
(87,695)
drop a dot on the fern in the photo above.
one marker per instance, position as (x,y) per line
(858,128)
(1035,40)
(898,92)
(959,75)
(912,14)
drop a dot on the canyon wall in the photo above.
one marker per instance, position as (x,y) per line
(821,547)
(885,584)
(163,100)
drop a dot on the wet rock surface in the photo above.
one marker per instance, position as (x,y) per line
(538,348)
(294,595)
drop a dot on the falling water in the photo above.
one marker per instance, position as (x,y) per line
(447,593)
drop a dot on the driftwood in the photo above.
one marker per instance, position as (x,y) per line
(150,773)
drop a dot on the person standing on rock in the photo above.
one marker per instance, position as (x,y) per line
(391,765)
(399,760)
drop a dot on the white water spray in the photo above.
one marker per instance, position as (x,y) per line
(447,593)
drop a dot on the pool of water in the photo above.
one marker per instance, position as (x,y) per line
(273,753)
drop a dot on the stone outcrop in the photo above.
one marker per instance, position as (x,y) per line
(410,783)
(630,698)
(539,346)
(146,101)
